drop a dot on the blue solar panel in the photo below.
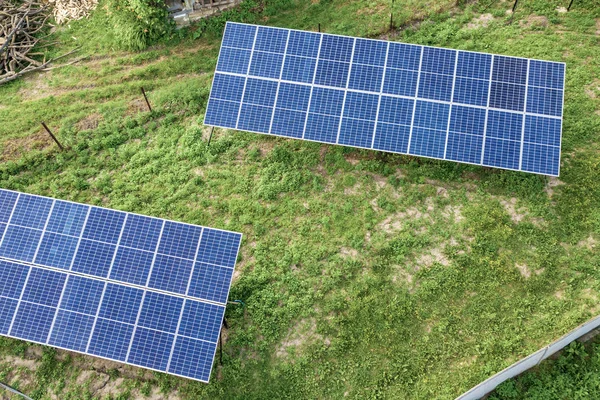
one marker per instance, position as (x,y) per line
(267,78)
(125,287)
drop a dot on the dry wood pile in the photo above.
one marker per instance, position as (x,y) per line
(20,24)
(67,10)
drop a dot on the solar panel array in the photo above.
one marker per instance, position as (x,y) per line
(117,285)
(475,108)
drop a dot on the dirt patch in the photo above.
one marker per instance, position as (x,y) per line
(435,255)
(593,89)
(302,334)
(597,26)
(559,294)
(136,106)
(347,252)
(354,190)
(454,213)
(589,243)
(393,223)
(561,10)
(517,215)
(524,270)
(90,122)
(552,183)
(480,22)
(16,147)
(534,21)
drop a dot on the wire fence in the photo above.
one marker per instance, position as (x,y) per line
(528,362)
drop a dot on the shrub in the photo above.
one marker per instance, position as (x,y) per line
(138,23)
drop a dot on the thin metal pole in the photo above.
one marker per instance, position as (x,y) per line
(515,6)
(319,27)
(146,98)
(570,4)
(220,349)
(212,128)
(15,391)
(52,136)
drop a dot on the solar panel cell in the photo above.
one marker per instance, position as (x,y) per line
(510,70)
(160,312)
(395,110)
(255,118)
(336,48)
(327,101)
(370,52)
(219,247)
(71,330)
(431,115)
(56,250)
(540,158)
(435,86)
(471,91)
(93,258)
(542,130)
(20,243)
(361,105)
(546,74)
(233,60)
(293,97)
(507,96)
(473,65)
(104,225)
(366,77)
(180,240)
(332,73)
(201,320)
(544,101)
(120,303)
(260,92)
(132,266)
(501,153)
(13,279)
(267,65)
(192,358)
(356,132)
(32,322)
(400,82)
(237,35)
(427,142)
(271,39)
(7,311)
(439,61)
(467,120)
(67,218)
(110,339)
(298,69)
(229,87)
(44,287)
(7,202)
(31,211)
(464,147)
(389,137)
(504,125)
(304,44)
(151,349)
(404,56)
(82,295)
(222,113)
(170,274)
(321,128)
(288,123)
(210,282)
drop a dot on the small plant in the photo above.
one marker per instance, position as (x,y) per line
(138,23)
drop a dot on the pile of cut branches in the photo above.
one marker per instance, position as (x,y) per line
(67,10)
(21,22)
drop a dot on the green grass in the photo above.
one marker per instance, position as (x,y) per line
(364,274)
(575,374)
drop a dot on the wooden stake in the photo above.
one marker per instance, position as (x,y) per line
(146,98)
(52,136)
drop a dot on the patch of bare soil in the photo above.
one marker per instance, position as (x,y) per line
(593,89)
(394,222)
(454,213)
(552,183)
(302,334)
(89,123)
(561,10)
(590,243)
(16,147)
(435,255)
(480,22)
(517,215)
(597,26)
(347,252)
(136,106)
(534,21)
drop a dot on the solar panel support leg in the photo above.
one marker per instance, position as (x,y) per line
(52,136)
(515,6)
(570,4)
(146,98)
(212,128)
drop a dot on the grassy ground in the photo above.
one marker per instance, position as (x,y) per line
(575,375)
(365,275)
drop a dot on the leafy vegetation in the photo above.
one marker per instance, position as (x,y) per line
(364,274)
(574,375)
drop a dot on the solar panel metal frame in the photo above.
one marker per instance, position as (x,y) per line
(415,98)
(106,281)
